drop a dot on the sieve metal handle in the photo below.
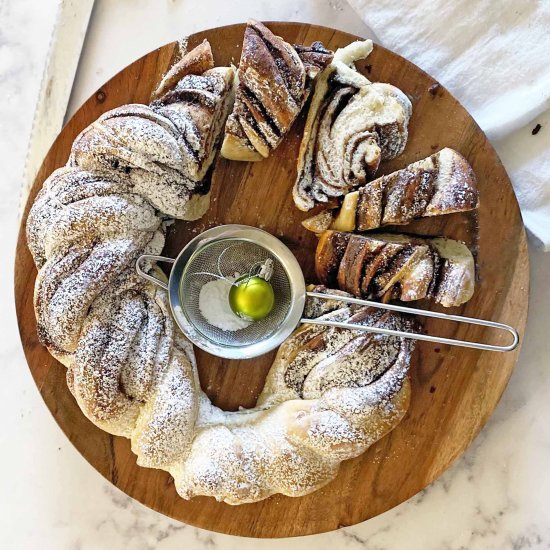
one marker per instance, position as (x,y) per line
(420,313)
(148,257)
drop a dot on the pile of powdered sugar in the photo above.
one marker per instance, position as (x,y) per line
(214,305)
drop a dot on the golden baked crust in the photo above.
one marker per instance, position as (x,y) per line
(197,61)
(395,266)
(274,81)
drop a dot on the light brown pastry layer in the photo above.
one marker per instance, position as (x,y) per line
(442,183)
(274,81)
(396,266)
(352,126)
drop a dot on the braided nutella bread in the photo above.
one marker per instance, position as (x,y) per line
(166,149)
(352,125)
(396,266)
(330,392)
(274,82)
(442,183)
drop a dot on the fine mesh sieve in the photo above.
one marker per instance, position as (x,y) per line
(233,257)
(227,250)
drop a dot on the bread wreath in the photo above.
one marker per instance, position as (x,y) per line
(330,393)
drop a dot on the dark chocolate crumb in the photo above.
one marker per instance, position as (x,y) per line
(100,96)
(368,66)
(437,350)
(432,389)
(536,130)
(433,89)
(434,147)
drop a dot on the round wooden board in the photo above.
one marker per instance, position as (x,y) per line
(454,390)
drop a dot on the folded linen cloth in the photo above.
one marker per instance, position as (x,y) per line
(494,56)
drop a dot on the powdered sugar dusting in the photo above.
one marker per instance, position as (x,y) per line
(353,126)
(214,305)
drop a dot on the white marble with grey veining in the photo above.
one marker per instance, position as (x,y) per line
(496,496)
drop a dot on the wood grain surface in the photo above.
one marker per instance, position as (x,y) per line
(455,390)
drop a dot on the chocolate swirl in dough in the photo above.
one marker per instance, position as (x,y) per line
(352,125)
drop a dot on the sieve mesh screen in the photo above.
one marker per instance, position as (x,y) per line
(228,257)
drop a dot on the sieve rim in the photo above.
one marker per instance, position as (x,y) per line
(287,261)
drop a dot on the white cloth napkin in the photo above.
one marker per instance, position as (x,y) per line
(494,56)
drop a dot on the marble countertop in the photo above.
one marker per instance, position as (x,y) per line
(495,496)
